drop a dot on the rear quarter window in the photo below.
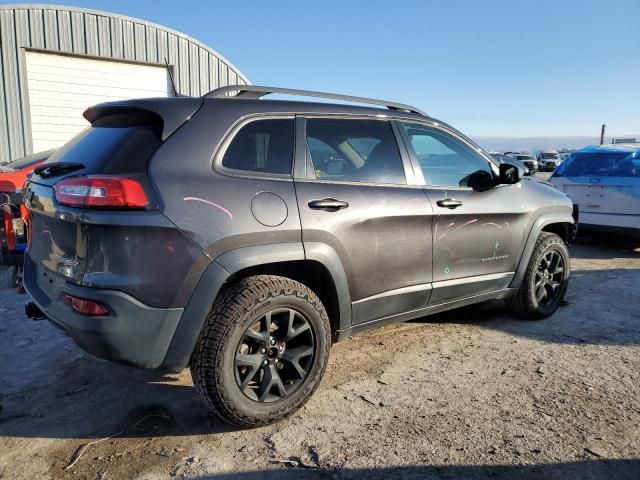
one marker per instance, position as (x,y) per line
(262,146)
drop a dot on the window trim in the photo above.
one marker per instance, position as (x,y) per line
(303,154)
(231,133)
(445,129)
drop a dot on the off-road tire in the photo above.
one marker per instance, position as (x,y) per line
(212,361)
(9,277)
(524,302)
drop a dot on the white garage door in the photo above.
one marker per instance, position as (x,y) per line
(62,87)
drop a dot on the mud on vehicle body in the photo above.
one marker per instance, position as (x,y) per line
(241,237)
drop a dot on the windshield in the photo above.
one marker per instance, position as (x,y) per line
(524,157)
(609,164)
(549,156)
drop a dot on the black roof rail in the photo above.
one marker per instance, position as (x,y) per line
(255,92)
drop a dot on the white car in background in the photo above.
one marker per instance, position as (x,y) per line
(604,183)
(548,160)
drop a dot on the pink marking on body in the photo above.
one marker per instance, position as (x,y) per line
(467,223)
(451,224)
(491,223)
(196,199)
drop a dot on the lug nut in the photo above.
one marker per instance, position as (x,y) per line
(264,350)
(265,363)
(273,342)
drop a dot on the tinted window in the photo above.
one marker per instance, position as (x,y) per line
(444,160)
(263,146)
(355,151)
(113,144)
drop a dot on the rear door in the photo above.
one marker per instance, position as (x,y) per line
(477,236)
(355,194)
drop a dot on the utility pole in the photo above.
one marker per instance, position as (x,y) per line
(604,129)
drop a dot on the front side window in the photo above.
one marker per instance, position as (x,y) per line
(262,146)
(445,161)
(354,151)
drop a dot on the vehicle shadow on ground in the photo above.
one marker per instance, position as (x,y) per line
(605,247)
(599,307)
(596,311)
(95,399)
(585,470)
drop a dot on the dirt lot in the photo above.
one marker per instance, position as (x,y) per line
(472,393)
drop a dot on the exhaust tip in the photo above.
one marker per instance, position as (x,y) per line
(33,311)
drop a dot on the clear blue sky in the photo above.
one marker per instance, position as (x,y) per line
(491,68)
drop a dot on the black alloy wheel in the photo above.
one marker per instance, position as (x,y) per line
(274,355)
(549,278)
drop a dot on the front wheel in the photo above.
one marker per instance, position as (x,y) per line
(262,351)
(545,281)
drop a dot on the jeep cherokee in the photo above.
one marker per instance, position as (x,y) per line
(241,237)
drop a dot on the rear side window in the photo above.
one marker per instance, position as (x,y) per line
(354,151)
(262,146)
(114,144)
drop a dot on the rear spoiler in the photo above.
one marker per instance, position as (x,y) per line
(174,112)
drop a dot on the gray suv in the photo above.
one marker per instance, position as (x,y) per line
(242,237)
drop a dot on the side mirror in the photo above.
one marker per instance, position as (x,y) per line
(480,181)
(510,174)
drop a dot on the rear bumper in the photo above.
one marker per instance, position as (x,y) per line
(134,334)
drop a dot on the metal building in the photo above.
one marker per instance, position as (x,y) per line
(56,61)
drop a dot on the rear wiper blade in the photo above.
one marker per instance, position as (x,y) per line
(55,169)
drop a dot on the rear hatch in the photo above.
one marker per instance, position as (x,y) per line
(118,145)
(605,183)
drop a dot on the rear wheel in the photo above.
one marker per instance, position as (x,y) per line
(263,350)
(546,279)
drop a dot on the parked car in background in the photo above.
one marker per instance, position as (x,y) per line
(548,160)
(530,162)
(13,229)
(281,227)
(604,182)
(507,159)
(14,174)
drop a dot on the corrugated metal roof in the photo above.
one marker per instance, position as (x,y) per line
(197,69)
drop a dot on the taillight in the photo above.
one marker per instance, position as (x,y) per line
(90,308)
(101,192)
(7,220)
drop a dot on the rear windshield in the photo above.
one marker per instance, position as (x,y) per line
(610,164)
(112,145)
(523,157)
(549,156)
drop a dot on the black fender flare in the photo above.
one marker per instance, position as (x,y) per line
(537,227)
(225,265)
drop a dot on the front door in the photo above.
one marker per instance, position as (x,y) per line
(477,236)
(355,199)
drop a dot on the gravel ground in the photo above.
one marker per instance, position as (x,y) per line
(472,393)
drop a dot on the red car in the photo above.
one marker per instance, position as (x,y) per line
(13,234)
(14,174)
